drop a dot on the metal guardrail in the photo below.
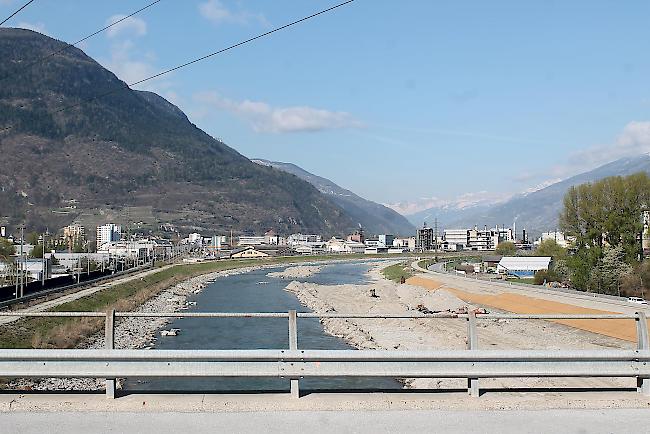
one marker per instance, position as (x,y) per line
(294,363)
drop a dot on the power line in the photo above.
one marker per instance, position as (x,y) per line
(85,38)
(16,13)
(199,59)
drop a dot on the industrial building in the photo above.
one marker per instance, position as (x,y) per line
(425,239)
(523,266)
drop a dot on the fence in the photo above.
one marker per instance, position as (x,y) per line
(294,363)
(36,289)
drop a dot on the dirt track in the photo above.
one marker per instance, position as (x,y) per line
(517,303)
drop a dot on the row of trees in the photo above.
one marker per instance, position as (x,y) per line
(605,217)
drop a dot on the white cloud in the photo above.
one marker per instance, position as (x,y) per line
(265,118)
(131,26)
(130,67)
(633,140)
(37,27)
(126,68)
(216,12)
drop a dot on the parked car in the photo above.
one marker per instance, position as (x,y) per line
(636,300)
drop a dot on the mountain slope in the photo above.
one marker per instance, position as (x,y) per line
(128,156)
(375,218)
(538,211)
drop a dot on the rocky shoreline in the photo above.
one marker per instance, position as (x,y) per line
(135,333)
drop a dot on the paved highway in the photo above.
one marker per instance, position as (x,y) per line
(412,421)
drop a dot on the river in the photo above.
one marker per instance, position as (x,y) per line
(244,293)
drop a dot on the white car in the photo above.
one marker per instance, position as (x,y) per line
(636,300)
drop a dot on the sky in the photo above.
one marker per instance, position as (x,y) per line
(410,103)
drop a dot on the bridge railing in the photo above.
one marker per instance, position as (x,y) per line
(295,363)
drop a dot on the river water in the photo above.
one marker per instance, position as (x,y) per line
(244,293)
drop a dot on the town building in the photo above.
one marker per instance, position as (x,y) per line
(375,250)
(248,252)
(195,238)
(26,250)
(425,239)
(559,237)
(108,233)
(358,236)
(34,268)
(523,266)
(70,261)
(386,240)
(456,239)
(141,250)
(273,239)
(311,249)
(216,244)
(74,235)
(405,243)
(373,242)
(491,262)
(251,240)
(475,239)
(300,239)
(337,245)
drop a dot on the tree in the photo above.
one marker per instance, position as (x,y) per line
(506,248)
(631,285)
(32,238)
(552,249)
(613,268)
(605,219)
(643,271)
(545,276)
(37,252)
(7,249)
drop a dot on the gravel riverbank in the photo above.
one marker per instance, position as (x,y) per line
(297,272)
(134,333)
(384,296)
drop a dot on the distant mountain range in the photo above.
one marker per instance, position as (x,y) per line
(536,211)
(375,218)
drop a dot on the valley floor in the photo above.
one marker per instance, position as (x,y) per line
(439,334)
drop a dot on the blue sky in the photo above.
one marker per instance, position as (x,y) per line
(411,102)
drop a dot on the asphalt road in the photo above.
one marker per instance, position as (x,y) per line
(505,422)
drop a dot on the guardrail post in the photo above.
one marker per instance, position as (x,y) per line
(293,345)
(643,343)
(110,345)
(472,344)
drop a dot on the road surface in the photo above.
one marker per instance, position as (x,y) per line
(411,421)
(536,300)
